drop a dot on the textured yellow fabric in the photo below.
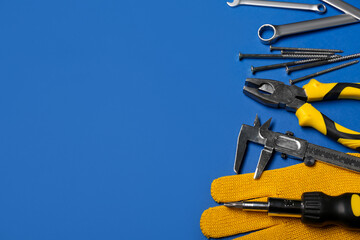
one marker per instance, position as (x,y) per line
(296,230)
(289,182)
(222,221)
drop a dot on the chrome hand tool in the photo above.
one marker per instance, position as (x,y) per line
(288,145)
(312,25)
(345,7)
(276,94)
(315,209)
(279,31)
(319,8)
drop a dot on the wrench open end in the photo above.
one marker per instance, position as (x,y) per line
(234,3)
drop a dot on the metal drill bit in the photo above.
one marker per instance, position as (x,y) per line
(323,72)
(305,49)
(290,56)
(320,63)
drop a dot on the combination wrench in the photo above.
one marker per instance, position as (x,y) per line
(345,7)
(301,27)
(319,8)
(352,16)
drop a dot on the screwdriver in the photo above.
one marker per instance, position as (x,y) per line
(314,208)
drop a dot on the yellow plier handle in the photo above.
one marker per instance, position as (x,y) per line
(311,117)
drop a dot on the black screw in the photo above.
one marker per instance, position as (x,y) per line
(304,52)
(284,156)
(305,49)
(291,56)
(280,65)
(323,72)
(323,62)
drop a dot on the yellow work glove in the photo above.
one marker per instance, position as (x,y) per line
(289,182)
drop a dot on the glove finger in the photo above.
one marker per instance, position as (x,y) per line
(322,177)
(222,221)
(289,182)
(243,186)
(295,230)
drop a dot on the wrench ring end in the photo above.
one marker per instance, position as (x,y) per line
(321,8)
(264,28)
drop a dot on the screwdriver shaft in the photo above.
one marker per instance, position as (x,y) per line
(314,208)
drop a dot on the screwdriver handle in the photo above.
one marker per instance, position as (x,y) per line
(309,116)
(320,209)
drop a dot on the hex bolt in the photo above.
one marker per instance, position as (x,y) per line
(291,56)
(305,49)
(323,72)
(321,63)
(303,52)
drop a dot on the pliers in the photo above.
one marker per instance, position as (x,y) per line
(276,94)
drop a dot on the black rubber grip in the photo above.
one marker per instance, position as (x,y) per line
(320,209)
(334,93)
(333,133)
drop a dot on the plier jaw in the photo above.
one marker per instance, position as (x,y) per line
(279,95)
(274,93)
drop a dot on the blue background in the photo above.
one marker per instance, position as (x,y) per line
(117,115)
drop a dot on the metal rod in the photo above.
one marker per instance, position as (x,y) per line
(320,63)
(323,72)
(305,49)
(287,56)
(280,65)
(249,205)
(304,52)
